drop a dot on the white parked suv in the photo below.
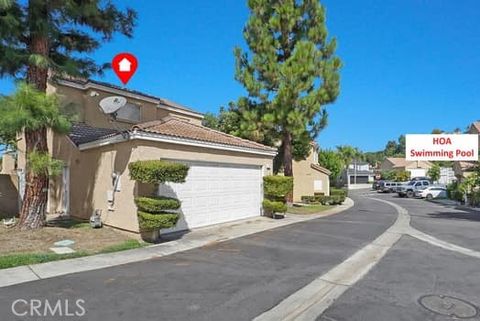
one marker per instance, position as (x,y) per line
(413,188)
(433,192)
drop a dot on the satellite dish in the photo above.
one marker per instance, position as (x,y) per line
(111,104)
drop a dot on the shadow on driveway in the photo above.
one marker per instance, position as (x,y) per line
(462,214)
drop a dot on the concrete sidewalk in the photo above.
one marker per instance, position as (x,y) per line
(196,238)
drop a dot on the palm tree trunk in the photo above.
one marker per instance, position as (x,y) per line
(33,210)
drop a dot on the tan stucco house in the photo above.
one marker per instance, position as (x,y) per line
(309,177)
(463,169)
(225,177)
(416,168)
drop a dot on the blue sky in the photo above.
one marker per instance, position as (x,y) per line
(409,65)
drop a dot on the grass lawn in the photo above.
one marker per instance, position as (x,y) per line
(311,209)
(31,247)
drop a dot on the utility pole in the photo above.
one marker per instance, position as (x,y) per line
(355,171)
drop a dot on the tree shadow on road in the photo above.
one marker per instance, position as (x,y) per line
(459,214)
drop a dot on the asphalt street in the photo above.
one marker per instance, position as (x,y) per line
(419,281)
(242,278)
(233,280)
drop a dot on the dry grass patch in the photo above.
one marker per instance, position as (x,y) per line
(308,209)
(87,240)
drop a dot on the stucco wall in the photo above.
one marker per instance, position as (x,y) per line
(86,108)
(8,164)
(8,195)
(304,177)
(91,176)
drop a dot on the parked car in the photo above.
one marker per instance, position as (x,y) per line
(387,187)
(376,184)
(432,192)
(412,187)
(420,178)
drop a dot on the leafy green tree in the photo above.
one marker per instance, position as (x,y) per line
(29,109)
(349,153)
(332,161)
(227,120)
(388,175)
(374,158)
(402,176)
(434,172)
(391,148)
(437,131)
(38,36)
(291,74)
(401,146)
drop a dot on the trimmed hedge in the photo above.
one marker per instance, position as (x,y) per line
(277,186)
(158,171)
(274,207)
(275,189)
(150,222)
(338,191)
(324,200)
(157,204)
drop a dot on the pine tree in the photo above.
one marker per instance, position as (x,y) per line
(291,74)
(40,38)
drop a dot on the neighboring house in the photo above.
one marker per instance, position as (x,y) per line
(358,173)
(416,168)
(447,176)
(309,177)
(463,169)
(224,182)
(9,200)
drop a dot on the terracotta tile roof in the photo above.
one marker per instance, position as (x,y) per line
(476,125)
(182,129)
(321,169)
(467,166)
(81,133)
(398,162)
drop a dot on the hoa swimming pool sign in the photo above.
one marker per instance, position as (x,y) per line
(442,147)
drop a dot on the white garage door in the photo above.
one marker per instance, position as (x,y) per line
(216,193)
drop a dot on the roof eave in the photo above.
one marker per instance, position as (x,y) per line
(142,135)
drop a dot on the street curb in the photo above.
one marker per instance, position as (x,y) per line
(308,303)
(196,238)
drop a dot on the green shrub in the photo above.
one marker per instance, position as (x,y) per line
(277,186)
(150,222)
(158,171)
(454,192)
(157,204)
(338,191)
(274,207)
(308,199)
(336,199)
(324,200)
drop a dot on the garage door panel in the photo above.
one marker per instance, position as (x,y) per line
(216,193)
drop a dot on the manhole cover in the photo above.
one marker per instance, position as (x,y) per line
(448,305)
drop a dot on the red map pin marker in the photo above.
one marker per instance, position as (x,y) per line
(124,64)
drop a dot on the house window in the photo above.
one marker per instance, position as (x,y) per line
(318,185)
(130,113)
